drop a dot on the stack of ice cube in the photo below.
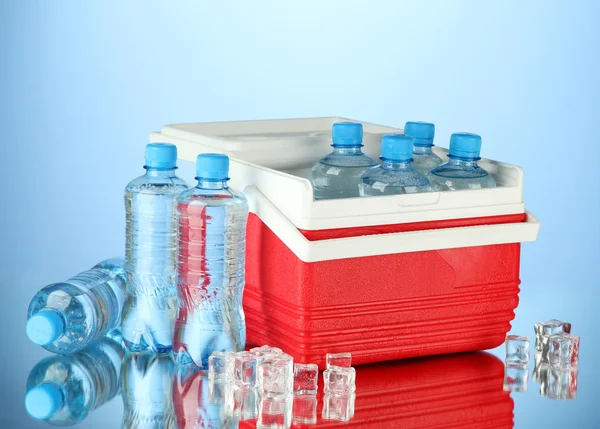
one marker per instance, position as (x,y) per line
(339,384)
(516,364)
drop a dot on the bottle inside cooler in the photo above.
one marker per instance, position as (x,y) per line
(337,175)
(423,157)
(67,316)
(395,175)
(212,242)
(461,171)
(151,252)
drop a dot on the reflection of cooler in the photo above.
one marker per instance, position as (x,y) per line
(380,277)
(457,391)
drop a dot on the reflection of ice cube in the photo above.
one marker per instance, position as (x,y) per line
(306,377)
(517,350)
(339,359)
(540,370)
(304,409)
(544,329)
(563,351)
(338,407)
(515,378)
(276,376)
(275,413)
(562,383)
(241,402)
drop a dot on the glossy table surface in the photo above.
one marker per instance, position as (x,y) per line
(461,390)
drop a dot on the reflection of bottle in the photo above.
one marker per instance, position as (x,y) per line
(67,316)
(146,391)
(462,390)
(63,389)
(196,402)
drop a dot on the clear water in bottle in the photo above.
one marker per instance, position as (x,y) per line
(64,389)
(423,157)
(151,252)
(146,389)
(67,316)
(461,171)
(338,174)
(395,175)
(212,242)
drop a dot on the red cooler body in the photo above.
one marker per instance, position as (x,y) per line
(381,277)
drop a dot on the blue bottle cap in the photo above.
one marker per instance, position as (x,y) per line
(45,326)
(161,155)
(423,132)
(43,401)
(396,147)
(212,166)
(347,134)
(465,145)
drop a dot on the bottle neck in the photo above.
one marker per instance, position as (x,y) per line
(160,172)
(422,150)
(347,150)
(462,162)
(211,184)
(389,164)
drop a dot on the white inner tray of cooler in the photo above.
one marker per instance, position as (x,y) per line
(276,156)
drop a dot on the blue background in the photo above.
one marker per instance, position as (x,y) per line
(83,83)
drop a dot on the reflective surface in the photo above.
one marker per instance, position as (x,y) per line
(473,390)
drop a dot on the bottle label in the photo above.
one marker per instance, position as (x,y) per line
(334,171)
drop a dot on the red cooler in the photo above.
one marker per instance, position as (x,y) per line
(381,277)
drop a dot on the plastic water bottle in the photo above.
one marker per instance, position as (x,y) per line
(67,316)
(146,385)
(338,174)
(423,157)
(151,252)
(462,171)
(212,243)
(395,175)
(63,389)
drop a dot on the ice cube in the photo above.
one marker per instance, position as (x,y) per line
(515,378)
(216,392)
(304,410)
(343,360)
(216,366)
(564,351)
(276,375)
(338,407)
(275,413)
(266,350)
(241,402)
(517,350)
(540,369)
(550,327)
(339,380)
(241,368)
(306,377)
(562,383)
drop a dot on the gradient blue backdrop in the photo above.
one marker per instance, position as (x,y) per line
(82,83)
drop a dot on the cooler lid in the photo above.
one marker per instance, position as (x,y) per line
(278,144)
